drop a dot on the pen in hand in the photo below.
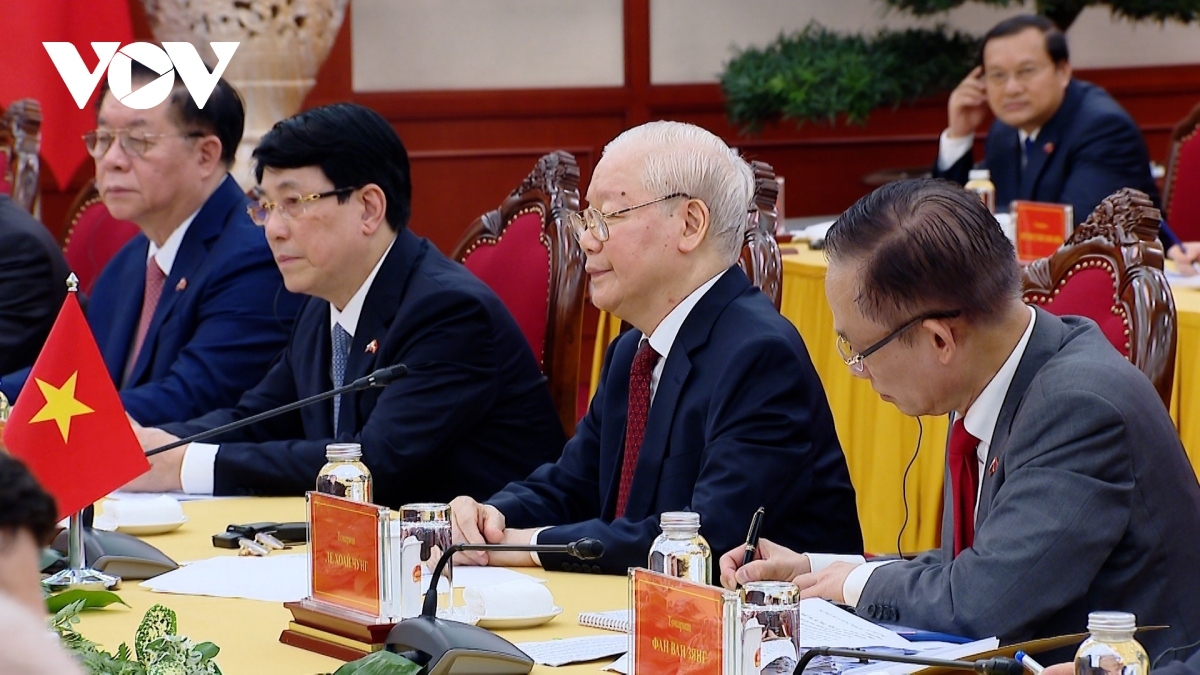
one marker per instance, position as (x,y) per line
(752,537)
(1032,666)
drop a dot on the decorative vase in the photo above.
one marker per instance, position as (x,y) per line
(283,44)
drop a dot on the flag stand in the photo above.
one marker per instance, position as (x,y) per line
(77,575)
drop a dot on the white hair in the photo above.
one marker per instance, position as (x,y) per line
(686,158)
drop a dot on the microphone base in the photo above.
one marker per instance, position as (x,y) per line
(454,648)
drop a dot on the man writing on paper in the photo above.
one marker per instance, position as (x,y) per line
(705,405)
(1068,488)
(189,314)
(1055,138)
(473,412)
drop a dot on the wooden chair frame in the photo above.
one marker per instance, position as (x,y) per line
(760,258)
(551,189)
(21,138)
(1183,132)
(1121,237)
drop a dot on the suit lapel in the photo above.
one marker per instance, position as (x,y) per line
(1049,136)
(1043,344)
(206,227)
(692,336)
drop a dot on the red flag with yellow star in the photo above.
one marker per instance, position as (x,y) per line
(68,425)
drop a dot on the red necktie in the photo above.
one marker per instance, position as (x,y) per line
(150,296)
(964,483)
(635,425)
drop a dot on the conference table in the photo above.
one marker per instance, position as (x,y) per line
(879,442)
(247,631)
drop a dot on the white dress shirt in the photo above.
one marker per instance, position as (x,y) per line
(980,422)
(950,150)
(199,459)
(661,341)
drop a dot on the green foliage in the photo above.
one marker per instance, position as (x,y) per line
(380,663)
(1064,12)
(817,75)
(160,651)
(91,599)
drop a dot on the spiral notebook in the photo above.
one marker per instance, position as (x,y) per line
(614,620)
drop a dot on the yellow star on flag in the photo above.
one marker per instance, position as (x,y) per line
(61,405)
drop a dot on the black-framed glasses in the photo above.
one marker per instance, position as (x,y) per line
(134,142)
(291,207)
(855,361)
(592,219)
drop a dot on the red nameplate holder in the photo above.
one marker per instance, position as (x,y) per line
(683,627)
(1041,228)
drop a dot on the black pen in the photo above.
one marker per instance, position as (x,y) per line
(752,536)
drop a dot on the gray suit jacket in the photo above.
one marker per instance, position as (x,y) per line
(1093,505)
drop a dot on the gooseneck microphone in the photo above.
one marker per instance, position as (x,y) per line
(443,647)
(1000,665)
(379,378)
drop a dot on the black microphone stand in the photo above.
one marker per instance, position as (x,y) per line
(379,378)
(1001,665)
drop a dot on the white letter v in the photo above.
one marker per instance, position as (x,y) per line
(75,75)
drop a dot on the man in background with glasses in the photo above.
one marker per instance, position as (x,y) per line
(1068,487)
(189,313)
(1055,138)
(711,404)
(473,411)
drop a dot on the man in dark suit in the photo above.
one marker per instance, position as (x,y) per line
(1068,487)
(189,314)
(33,284)
(473,412)
(1055,138)
(711,405)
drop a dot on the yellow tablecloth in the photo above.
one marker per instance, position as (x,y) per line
(879,441)
(247,631)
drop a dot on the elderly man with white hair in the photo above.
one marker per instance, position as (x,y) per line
(711,404)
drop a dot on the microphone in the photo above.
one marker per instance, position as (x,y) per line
(379,378)
(444,647)
(1000,665)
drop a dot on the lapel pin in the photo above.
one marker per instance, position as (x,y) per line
(1048,148)
(372,346)
(992,469)
(181,285)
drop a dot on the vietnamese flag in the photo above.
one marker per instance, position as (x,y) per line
(68,425)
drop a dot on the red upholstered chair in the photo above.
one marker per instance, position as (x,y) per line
(1181,192)
(20,138)
(525,252)
(760,253)
(93,236)
(1110,270)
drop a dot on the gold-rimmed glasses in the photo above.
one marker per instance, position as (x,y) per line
(854,361)
(592,219)
(290,207)
(134,142)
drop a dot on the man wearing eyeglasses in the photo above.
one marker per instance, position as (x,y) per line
(473,411)
(189,313)
(1068,489)
(1055,138)
(710,405)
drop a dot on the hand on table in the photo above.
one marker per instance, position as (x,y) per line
(772,562)
(1185,262)
(828,583)
(163,475)
(475,523)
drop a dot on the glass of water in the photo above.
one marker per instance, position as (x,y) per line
(430,524)
(776,607)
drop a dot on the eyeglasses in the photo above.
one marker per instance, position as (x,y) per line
(290,207)
(591,219)
(1023,75)
(855,361)
(133,142)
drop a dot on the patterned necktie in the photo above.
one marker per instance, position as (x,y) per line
(341,349)
(964,483)
(635,425)
(150,296)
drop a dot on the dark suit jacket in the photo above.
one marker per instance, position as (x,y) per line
(223,316)
(1093,505)
(473,413)
(33,285)
(1095,148)
(739,420)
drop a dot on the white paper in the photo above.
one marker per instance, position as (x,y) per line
(775,650)
(575,650)
(815,232)
(621,665)
(273,578)
(823,624)
(964,651)
(179,496)
(1177,280)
